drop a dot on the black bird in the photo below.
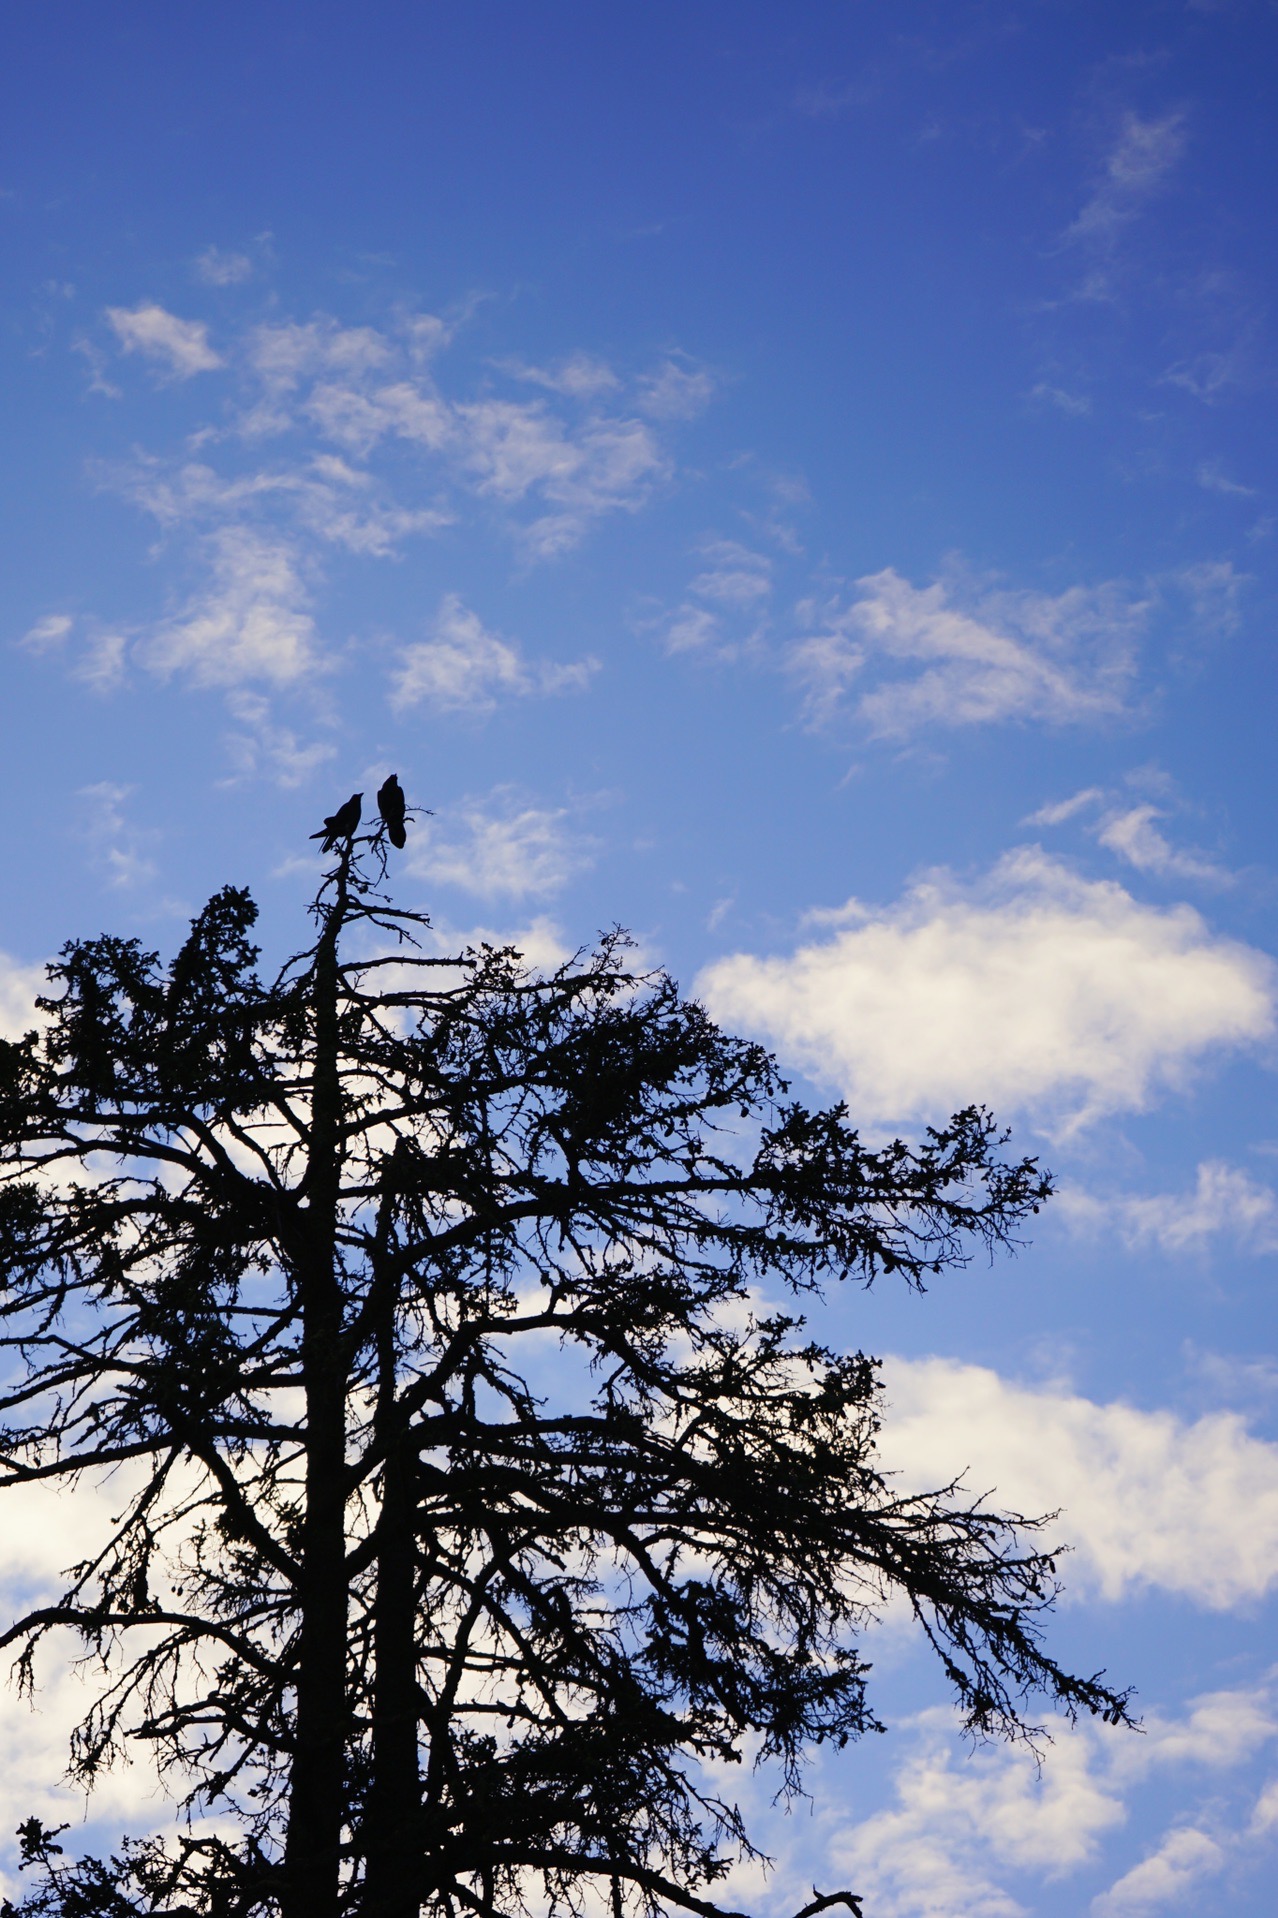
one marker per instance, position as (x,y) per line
(340,824)
(390,804)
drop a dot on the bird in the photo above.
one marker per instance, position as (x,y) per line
(340,824)
(390,804)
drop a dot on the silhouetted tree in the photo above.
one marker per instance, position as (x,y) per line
(478,1503)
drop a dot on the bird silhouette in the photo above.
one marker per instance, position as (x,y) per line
(390,804)
(340,824)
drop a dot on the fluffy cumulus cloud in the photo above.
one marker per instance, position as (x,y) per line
(181,347)
(1034,990)
(973,1835)
(19,988)
(964,658)
(463,667)
(1146,1500)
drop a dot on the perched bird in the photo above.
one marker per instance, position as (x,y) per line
(340,824)
(390,804)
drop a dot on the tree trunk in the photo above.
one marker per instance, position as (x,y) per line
(317,1794)
(393,1848)
(393,1836)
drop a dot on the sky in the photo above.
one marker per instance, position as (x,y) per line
(799,482)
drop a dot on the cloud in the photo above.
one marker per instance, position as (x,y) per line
(117,848)
(250,623)
(734,576)
(340,503)
(1132,834)
(1129,831)
(1185,1859)
(19,988)
(1065,658)
(675,392)
(1213,480)
(218,268)
(47,633)
(1136,167)
(1034,990)
(1226,1203)
(182,345)
(513,450)
(962,1822)
(733,588)
(1213,589)
(1056,813)
(502,849)
(263,749)
(580,376)
(466,668)
(1147,1501)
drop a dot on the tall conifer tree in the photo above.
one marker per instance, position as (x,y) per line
(484,1492)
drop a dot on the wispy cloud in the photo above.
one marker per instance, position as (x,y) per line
(251,621)
(1126,824)
(1213,479)
(1134,836)
(118,849)
(217,267)
(675,391)
(979,658)
(1225,1206)
(464,667)
(581,376)
(1136,167)
(723,615)
(181,346)
(47,633)
(502,848)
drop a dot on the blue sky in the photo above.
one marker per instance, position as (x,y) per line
(799,482)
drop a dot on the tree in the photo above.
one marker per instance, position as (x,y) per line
(477,1499)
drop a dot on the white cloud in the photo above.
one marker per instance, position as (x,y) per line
(580,376)
(1075,404)
(695,629)
(183,345)
(1226,1204)
(1213,588)
(1132,834)
(1035,989)
(117,848)
(961,1823)
(250,623)
(1186,1858)
(217,267)
(466,668)
(285,353)
(1147,1500)
(1136,166)
(675,392)
(1213,480)
(1058,811)
(734,576)
(1063,658)
(47,633)
(19,988)
(264,748)
(961,1820)
(502,850)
